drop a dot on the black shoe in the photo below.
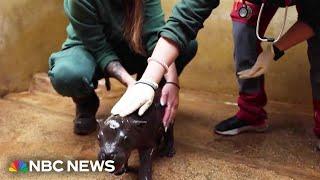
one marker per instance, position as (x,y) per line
(86,109)
(234,126)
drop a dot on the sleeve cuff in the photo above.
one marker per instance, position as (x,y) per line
(173,38)
(105,60)
(175,34)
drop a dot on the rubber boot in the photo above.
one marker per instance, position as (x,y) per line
(86,109)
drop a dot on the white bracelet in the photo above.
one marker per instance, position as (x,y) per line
(164,65)
(148,82)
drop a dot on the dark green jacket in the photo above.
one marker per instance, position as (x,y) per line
(187,19)
(97,24)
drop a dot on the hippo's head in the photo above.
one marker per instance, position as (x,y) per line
(118,136)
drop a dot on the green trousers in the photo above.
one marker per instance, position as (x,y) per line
(73,71)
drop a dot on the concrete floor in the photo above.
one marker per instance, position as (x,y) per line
(38,125)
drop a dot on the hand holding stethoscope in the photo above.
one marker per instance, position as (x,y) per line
(267,55)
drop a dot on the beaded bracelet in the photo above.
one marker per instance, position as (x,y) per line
(164,65)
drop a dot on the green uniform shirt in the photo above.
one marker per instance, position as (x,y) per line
(186,20)
(97,24)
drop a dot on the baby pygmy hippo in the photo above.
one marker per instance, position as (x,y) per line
(119,136)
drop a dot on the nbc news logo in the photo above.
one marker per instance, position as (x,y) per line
(19,166)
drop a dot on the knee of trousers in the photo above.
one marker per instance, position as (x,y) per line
(246,47)
(69,81)
(186,56)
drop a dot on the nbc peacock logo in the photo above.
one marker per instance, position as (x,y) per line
(18,166)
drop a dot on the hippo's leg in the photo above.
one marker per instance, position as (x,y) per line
(168,143)
(145,169)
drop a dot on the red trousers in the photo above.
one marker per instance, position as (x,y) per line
(252,96)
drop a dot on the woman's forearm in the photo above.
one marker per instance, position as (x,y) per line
(298,33)
(172,75)
(165,51)
(116,70)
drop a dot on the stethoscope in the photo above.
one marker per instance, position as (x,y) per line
(245,11)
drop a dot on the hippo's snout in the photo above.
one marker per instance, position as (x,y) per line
(120,160)
(109,155)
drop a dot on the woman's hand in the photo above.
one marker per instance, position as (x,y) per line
(170,98)
(116,70)
(138,96)
(261,66)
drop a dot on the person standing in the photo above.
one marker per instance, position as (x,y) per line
(307,28)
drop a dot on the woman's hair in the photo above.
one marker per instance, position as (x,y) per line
(133,23)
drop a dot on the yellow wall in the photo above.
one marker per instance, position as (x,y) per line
(31,29)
